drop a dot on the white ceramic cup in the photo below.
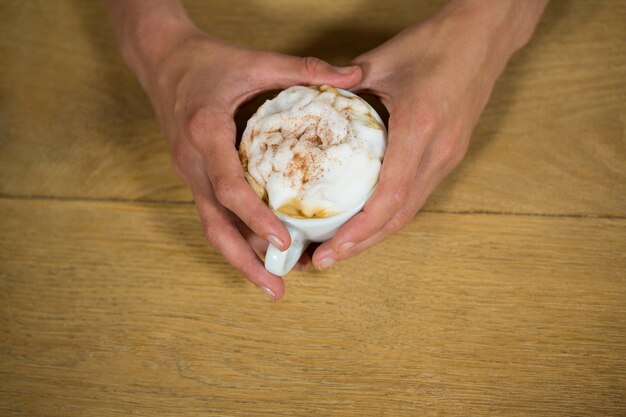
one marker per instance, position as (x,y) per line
(305,231)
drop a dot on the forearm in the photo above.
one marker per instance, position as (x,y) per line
(478,36)
(147,31)
(510,22)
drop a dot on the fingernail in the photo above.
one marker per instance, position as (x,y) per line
(346,246)
(303,266)
(326,263)
(346,70)
(275,241)
(269,293)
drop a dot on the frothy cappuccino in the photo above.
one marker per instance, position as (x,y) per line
(312,152)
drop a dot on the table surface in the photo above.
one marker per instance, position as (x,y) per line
(506,295)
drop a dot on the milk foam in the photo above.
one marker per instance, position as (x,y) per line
(311,152)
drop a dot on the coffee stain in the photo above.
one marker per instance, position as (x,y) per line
(293,208)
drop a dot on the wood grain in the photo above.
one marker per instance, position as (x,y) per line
(120,309)
(74,122)
(506,296)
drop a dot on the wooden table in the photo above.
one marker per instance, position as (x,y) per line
(505,296)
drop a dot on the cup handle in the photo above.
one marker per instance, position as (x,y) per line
(280,262)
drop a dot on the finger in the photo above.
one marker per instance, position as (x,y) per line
(371,75)
(214,138)
(220,230)
(256,242)
(278,71)
(325,256)
(304,263)
(432,170)
(395,190)
(260,245)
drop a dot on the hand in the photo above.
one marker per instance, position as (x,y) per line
(435,79)
(196,83)
(196,92)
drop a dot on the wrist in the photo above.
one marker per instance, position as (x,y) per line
(507,23)
(152,42)
(147,34)
(489,32)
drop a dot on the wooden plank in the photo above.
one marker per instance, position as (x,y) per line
(120,309)
(74,122)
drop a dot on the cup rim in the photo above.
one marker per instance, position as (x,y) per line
(373,111)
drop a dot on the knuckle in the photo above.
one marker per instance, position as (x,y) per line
(447,148)
(211,234)
(224,190)
(461,149)
(400,195)
(456,159)
(311,65)
(427,112)
(196,127)
(450,151)
(427,121)
(256,223)
(398,221)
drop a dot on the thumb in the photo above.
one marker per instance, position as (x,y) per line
(284,71)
